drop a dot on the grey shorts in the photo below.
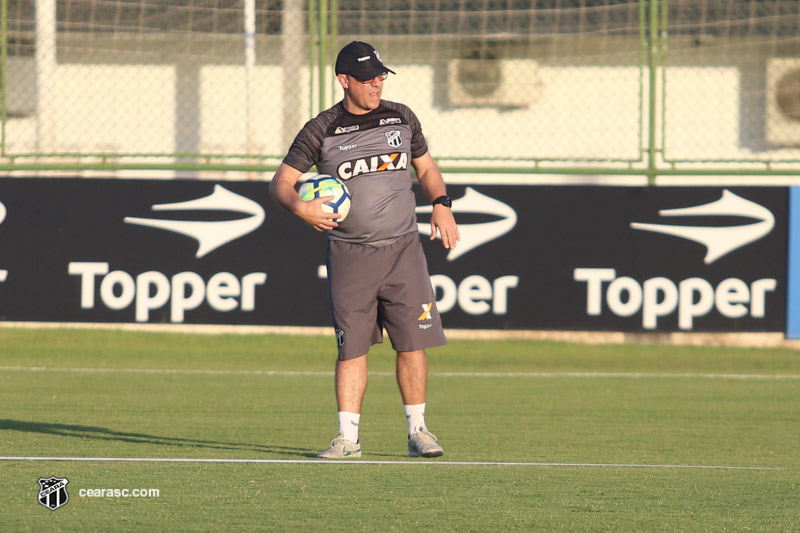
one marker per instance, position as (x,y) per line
(372,288)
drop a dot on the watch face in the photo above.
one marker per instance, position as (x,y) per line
(444,200)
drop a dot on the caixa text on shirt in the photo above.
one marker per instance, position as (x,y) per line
(375,163)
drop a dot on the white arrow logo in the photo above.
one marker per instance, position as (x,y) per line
(210,235)
(718,240)
(474,235)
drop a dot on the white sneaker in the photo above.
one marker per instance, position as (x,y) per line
(423,444)
(341,448)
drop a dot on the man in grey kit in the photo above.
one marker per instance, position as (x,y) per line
(377,272)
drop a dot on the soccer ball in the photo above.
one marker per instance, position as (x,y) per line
(324,185)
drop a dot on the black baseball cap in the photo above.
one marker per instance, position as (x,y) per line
(360,60)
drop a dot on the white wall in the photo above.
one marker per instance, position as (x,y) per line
(574,112)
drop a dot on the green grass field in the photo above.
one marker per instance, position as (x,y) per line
(538,436)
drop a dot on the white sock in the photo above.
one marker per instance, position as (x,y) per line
(348,425)
(415,414)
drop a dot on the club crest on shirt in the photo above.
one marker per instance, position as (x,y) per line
(394,139)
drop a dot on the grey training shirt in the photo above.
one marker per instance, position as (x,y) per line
(372,154)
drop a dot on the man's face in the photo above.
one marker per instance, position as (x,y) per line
(361,96)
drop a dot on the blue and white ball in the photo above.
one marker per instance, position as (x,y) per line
(324,185)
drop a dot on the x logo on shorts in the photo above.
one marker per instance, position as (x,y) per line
(426,312)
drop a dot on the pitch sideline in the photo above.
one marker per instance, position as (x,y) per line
(369,462)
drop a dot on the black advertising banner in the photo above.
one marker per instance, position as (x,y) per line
(530,257)
(615,258)
(182,251)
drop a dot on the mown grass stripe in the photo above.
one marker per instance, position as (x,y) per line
(187,371)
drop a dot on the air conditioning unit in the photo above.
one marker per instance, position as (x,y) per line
(505,83)
(783,101)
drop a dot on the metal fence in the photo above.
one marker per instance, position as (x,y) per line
(571,86)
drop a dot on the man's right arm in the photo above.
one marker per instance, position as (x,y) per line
(282,190)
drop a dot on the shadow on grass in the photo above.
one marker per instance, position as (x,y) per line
(100,433)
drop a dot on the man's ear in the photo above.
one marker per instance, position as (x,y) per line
(342,80)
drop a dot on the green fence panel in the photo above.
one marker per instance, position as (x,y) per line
(644,87)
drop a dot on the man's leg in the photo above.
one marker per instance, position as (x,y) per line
(351,384)
(353,281)
(412,378)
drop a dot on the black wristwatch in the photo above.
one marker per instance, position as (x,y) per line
(444,200)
